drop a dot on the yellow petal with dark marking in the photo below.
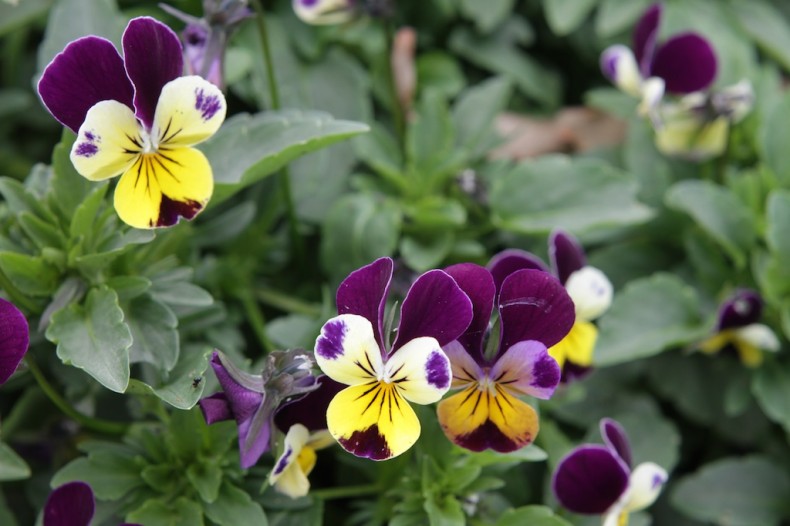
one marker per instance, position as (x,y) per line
(162,187)
(578,345)
(373,421)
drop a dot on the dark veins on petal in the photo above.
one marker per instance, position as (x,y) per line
(170,210)
(367,444)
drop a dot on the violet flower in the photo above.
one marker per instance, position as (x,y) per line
(71,504)
(598,480)
(535,313)
(14,339)
(372,418)
(738,328)
(137,116)
(253,400)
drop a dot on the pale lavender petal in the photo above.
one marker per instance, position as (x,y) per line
(71,504)
(478,284)
(616,438)
(589,480)
(435,306)
(566,254)
(527,367)
(310,409)
(646,33)
(14,339)
(87,71)
(152,54)
(533,305)
(215,408)
(744,308)
(508,261)
(686,62)
(364,292)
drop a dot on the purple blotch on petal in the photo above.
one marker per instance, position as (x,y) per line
(153,57)
(369,443)
(743,308)
(283,462)
(171,210)
(364,292)
(309,410)
(686,62)
(508,261)
(566,254)
(330,343)
(589,480)
(207,105)
(616,438)
(87,71)
(478,284)
(438,370)
(488,436)
(646,33)
(14,339)
(71,504)
(87,149)
(215,408)
(545,373)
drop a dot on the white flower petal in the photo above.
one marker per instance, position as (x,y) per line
(591,292)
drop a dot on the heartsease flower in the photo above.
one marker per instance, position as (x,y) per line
(588,287)
(71,504)
(324,12)
(14,339)
(738,328)
(598,480)
(137,116)
(372,417)
(253,400)
(535,312)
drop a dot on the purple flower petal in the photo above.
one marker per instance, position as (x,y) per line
(566,254)
(589,480)
(14,339)
(527,367)
(744,308)
(87,71)
(152,54)
(215,408)
(686,62)
(71,504)
(435,306)
(616,438)
(533,305)
(508,261)
(478,284)
(364,292)
(310,409)
(645,35)
(255,434)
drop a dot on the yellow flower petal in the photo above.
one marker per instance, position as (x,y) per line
(373,421)
(161,187)
(716,342)
(420,370)
(108,142)
(347,351)
(578,345)
(190,110)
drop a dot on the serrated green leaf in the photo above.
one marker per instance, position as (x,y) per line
(564,16)
(181,512)
(186,381)
(112,475)
(234,507)
(94,338)
(12,466)
(31,275)
(154,336)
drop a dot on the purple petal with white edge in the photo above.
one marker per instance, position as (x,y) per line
(435,306)
(87,71)
(528,368)
(741,309)
(364,292)
(589,480)
(616,438)
(152,54)
(566,254)
(686,62)
(508,261)
(646,33)
(71,504)
(215,408)
(14,339)
(533,305)
(478,284)
(309,410)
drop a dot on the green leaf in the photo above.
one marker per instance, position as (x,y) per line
(83,222)
(181,512)
(248,148)
(13,16)
(185,383)
(206,478)
(649,316)
(19,199)
(358,229)
(618,16)
(424,252)
(379,150)
(430,135)
(440,72)
(444,510)
(564,16)
(775,276)
(175,293)
(735,492)
(767,26)
(474,113)
(129,287)
(112,475)
(234,507)
(532,515)
(31,275)
(489,457)
(43,233)
(486,14)
(68,188)
(719,212)
(12,466)
(578,195)
(94,338)
(771,387)
(154,336)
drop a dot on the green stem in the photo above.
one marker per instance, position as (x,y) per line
(16,296)
(267,54)
(94,424)
(398,117)
(286,303)
(256,319)
(345,492)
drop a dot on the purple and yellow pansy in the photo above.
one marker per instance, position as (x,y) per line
(137,116)
(372,417)
(598,480)
(535,313)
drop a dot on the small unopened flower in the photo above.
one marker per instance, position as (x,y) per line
(71,504)
(535,313)
(14,339)
(138,117)
(598,480)
(372,417)
(252,400)
(738,328)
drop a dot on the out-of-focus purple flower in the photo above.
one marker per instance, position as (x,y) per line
(253,400)
(598,480)
(205,39)
(71,504)
(14,339)
(738,328)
